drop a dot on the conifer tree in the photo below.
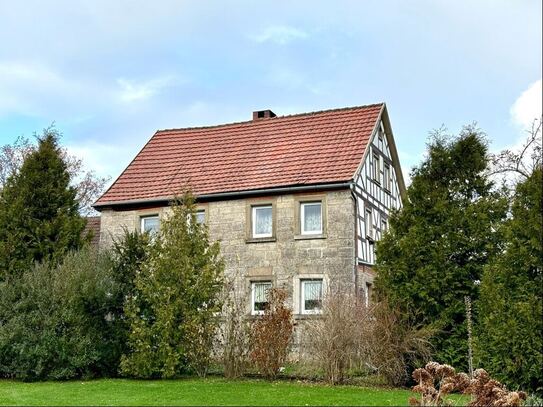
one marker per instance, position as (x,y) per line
(437,245)
(509,342)
(39,218)
(173,311)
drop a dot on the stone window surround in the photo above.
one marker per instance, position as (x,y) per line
(298,201)
(250,203)
(297,291)
(258,275)
(252,283)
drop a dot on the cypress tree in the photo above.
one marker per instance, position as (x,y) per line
(509,341)
(437,245)
(39,217)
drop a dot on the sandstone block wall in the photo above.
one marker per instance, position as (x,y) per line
(285,260)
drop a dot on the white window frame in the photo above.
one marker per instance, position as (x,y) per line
(302,218)
(302,296)
(376,166)
(201,211)
(254,209)
(144,218)
(384,226)
(253,285)
(387,182)
(368,223)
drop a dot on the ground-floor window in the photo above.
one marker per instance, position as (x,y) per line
(259,296)
(311,296)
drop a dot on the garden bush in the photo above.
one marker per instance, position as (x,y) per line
(57,322)
(272,334)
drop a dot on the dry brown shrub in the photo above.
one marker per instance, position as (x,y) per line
(393,344)
(349,334)
(486,391)
(272,334)
(435,381)
(235,335)
(334,338)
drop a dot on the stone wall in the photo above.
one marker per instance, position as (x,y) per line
(286,259)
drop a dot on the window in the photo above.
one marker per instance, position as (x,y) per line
(259,296)
(311,296)
(311,218)
(368,224)
(386,175)
(150,224)
(384,226)
(375,168)
(262,221)
(201,216)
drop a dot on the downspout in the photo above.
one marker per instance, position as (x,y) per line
(355,209)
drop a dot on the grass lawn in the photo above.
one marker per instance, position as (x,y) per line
(211,391)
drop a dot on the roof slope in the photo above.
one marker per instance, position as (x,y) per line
(303,149)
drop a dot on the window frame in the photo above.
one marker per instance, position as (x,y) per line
(304,311)
(368,223)
(253,285)
(387,182)
(201,211)
(302,218)
(376,167)
(254,209)
(143,218)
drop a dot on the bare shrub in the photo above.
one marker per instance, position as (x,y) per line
(335,337)
(393,344)
(235,335)
(350,334)
(272,334)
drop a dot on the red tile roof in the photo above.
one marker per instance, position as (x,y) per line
(302,149)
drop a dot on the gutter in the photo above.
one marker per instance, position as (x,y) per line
(228,195)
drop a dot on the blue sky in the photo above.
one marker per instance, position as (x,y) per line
(110,73)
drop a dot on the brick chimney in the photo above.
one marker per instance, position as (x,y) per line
(263,114)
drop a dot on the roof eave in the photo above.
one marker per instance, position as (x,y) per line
(165,200)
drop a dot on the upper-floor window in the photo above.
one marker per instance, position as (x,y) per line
(387,178)
(200,216)
(259,296)
(384,226)
(312,295)
(262,221)
(368,223)
(376,174)
(311,218)
(150,224)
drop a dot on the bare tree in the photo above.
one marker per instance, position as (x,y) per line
(89,186)
(521,163)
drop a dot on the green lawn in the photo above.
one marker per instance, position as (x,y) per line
(212,391)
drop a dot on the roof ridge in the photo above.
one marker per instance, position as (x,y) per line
(266,120)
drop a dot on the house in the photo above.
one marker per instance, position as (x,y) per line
(295,201)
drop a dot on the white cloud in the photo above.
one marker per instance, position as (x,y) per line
(280,34)
(104,159)
(132,91)
(527,107)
